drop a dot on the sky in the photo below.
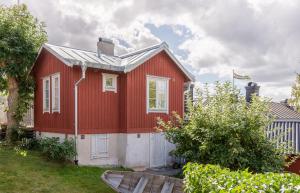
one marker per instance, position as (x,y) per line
(210,37)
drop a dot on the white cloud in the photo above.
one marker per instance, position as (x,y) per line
(259,38)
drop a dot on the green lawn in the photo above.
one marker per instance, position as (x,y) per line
(34,174)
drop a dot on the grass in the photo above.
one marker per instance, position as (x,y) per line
(32,173)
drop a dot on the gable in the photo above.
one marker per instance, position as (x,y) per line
(162,48)
(160,64)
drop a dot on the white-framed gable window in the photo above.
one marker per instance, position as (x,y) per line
(55,82)
(99,146)
(157,94)
(109,82)
(46,94)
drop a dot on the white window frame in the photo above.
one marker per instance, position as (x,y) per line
(98,155)
(114,82)
(57,75)
(45,109)
(156,110)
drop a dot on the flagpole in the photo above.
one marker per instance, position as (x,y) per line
(232,78)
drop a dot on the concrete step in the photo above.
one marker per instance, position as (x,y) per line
(141,185)
(167,188)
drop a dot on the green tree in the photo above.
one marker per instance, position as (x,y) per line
(295,96)
(224,129)
(21,36)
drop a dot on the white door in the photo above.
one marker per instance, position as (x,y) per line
(157,150)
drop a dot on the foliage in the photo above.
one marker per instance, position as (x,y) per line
(224,129)
(213,178)
(53,149)
(20,133)
(295,96)
(28,144)
(21,35)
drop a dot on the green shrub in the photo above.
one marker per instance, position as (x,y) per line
(28,144)
(212,178)
(223,129)
(20,133)
(53,149)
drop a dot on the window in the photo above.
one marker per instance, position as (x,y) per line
(99,146)
(157,94)
(55,82)
(46,95)
(109,82)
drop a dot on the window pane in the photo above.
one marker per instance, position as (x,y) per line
(109,82)
(157,94)
(56,93)
(152,103)
(152,89)
(152,94)
(47,94)
(152,85)
(161,85)
(161,100)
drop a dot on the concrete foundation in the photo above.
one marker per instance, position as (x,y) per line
(134,150)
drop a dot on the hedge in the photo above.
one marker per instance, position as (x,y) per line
(213,178)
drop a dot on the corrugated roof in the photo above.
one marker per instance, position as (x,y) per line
(123,63)
(281,111)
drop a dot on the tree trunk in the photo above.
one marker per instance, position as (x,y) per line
(12,101)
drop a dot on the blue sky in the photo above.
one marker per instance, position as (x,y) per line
(210,37)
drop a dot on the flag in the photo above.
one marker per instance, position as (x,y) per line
(240,77)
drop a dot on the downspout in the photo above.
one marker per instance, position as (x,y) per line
(83,70)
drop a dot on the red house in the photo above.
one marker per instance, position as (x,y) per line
(109,103)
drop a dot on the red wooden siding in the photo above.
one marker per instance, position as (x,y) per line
(105,112)
(98,110)
(46,65)
(160,65)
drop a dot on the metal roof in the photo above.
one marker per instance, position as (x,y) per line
(123,63)
(282,111)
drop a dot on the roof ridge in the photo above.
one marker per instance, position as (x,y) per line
(135,52)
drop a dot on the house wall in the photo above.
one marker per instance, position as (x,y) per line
(121,115)
(129,150)
(61,122)
(160,65)
(114,157)
(294,167)
(105,112)
(99,112)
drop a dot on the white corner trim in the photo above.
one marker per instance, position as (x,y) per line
(114,87)
(165,110)
(44,79)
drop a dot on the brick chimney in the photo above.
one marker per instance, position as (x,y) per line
(251,88)
(105,46)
